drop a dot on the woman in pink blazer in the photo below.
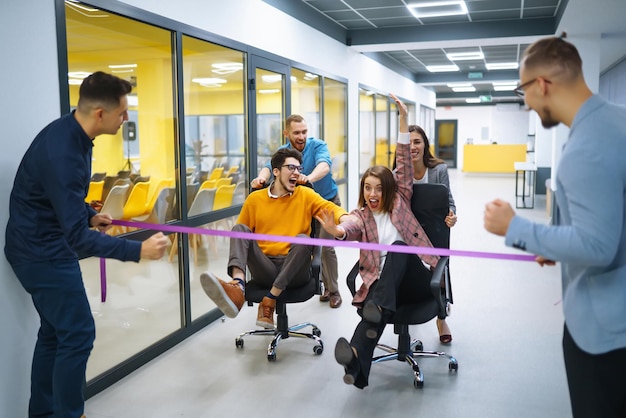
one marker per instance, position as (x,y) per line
(384,216)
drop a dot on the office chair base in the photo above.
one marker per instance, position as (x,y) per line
(416,350)
(279,335)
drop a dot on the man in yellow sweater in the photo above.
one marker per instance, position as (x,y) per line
(280,209)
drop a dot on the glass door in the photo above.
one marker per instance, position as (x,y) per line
(446,140)
(267,85)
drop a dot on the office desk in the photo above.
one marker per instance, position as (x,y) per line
(528,173)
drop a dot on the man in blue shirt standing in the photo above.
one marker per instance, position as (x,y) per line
(49,229)
(316,164)
(590,238)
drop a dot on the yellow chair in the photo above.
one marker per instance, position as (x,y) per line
(224,199)
(232,170)
(224,181)
(163,184)
(216,173)
(137,200)
(224,196)
(202,203)
(208,184)
(95,191)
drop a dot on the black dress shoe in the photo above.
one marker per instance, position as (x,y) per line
(346,357)
(372,313)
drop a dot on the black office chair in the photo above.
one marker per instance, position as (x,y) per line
(430,206)
(254,293)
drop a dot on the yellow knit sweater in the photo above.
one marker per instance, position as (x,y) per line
(288,215)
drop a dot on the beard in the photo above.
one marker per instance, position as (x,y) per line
(546,119)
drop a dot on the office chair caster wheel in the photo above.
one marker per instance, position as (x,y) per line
(453,366)
(317,332)
(318,349)
(418,382)
(448,308)
(419,346)
(238,343)
(271,356)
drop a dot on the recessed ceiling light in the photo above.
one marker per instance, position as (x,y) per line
(504,85)
(463,89)
(269,91)
(120,66)
(436,9)
(209,81)
(459,85)
(442,68)
(78,74)
(465,56)
(502,66)
(473,100)
(222,68)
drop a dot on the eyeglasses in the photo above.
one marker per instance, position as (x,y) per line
(519,90)
(293,167)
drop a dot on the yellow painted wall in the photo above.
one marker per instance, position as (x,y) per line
(498,158)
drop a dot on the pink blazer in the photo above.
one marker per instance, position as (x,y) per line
(365,230)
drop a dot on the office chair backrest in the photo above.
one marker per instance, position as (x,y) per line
(430,206)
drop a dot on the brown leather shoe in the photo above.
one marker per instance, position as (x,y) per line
(265,317)
(325,297)
(335,300)
(228,296)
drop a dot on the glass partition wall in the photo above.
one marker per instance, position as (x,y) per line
(310,93)
(140,162)
(378,128)
(196,135)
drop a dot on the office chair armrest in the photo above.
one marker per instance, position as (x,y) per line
(351,278)
(316,268)
(435,285)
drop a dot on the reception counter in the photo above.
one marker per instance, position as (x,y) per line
(492,158)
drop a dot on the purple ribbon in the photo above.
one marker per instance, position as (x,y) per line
(311,241)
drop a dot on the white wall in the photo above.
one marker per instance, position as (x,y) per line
(502,123)
(30,101)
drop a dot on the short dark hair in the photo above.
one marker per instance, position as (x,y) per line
(102,90)
(279,157)
(293,118)
(388,183)
(554,53)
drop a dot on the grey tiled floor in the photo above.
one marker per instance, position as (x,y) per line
(506,323)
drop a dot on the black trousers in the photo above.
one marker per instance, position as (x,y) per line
(404,280)
(596,381)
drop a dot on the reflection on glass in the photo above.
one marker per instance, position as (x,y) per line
(367,135)
(305,99)
(269,106)
(134,178)
(382,130)
(336,130)
(215,126)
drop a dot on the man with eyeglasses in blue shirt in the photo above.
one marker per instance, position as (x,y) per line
(317,164)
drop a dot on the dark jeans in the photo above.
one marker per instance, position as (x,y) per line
(65,337)
(291,270)
(596,382)
(404,280)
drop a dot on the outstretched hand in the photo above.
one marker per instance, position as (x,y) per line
(326,218)
(402,109)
